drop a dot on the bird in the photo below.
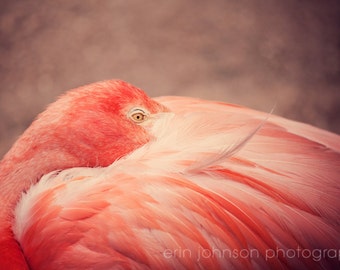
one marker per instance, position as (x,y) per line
(108,178)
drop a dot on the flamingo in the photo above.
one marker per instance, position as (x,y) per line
(108,178)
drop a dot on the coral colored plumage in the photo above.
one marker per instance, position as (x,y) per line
(194,185)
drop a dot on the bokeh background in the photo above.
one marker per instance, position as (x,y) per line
(255,53)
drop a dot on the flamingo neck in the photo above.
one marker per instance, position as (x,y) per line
(18,171)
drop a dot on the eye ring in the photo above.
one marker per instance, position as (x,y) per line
(138,115)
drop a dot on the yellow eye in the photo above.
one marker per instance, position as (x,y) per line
(138,115)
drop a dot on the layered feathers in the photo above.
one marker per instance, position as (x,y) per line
(217,186)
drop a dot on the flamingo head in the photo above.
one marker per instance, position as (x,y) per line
(93,125)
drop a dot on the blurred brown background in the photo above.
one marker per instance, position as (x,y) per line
(254,53)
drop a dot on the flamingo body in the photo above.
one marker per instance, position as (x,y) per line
(215,186)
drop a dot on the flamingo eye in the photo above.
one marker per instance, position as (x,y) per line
(138,115)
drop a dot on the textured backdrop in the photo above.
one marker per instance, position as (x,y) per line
(254,53)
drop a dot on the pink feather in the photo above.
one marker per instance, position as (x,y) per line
(197,185)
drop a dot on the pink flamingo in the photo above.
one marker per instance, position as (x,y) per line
(129,182)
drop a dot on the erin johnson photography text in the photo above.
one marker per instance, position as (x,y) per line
(268,254)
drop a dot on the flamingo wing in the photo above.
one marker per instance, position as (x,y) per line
(220,187)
